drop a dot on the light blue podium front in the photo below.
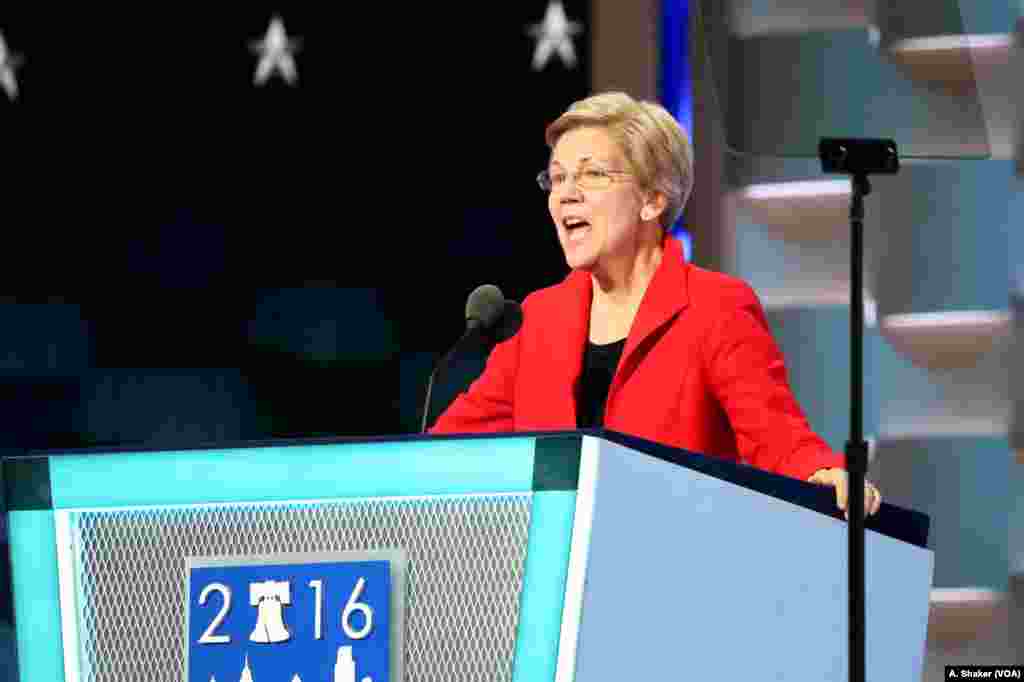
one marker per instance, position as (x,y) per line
(556,556)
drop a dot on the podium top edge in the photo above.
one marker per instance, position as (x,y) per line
(124,448)
(902,524)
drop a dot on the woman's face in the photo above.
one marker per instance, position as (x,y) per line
(593,224)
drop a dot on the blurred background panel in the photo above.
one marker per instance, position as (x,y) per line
(942,259)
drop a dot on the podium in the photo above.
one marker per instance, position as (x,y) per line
(587,555)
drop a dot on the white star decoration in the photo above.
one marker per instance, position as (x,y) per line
(554,34)
(276,54)
(8,62)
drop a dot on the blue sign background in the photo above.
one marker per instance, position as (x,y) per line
(313,660)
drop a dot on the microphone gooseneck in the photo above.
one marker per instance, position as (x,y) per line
(485,312)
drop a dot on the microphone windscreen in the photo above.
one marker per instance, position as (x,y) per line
(485,305)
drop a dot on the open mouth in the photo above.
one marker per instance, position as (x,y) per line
(575,228)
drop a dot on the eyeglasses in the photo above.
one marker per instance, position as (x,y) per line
(588,176)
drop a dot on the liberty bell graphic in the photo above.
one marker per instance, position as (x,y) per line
(270,598)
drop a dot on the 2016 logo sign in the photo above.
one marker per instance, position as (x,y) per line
(312,621)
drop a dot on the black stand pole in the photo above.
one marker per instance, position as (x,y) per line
(857,158)
(442,364)
(857,447)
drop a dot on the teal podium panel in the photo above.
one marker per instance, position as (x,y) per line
(546,556)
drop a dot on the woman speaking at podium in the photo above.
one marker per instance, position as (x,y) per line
(635,339)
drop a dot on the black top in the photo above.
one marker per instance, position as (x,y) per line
(599,363)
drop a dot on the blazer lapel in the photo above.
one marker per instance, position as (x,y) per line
(666,296)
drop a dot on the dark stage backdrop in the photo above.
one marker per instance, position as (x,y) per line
(191,257)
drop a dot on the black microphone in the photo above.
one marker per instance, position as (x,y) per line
(483,308)
(488,316)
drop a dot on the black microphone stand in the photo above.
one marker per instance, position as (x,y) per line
(856,446)
(858,158)
(442,363)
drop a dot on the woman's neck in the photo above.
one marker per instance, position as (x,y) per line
(622,283)
(617,295)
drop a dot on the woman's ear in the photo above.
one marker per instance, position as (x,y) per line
(653,207)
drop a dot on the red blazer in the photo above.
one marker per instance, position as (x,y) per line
(700,371)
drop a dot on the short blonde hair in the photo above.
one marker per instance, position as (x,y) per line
(656,147)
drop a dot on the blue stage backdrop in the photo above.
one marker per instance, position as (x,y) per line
(675,80)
